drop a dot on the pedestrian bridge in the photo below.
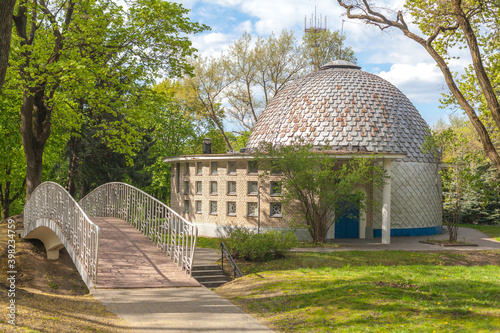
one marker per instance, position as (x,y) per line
(101,235)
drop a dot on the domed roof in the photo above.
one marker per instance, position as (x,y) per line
(343,107)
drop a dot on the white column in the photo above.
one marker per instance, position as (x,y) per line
(386,204)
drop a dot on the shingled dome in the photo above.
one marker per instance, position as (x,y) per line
(345,108)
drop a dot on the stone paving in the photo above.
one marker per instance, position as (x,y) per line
(477,239)
(177,310)
(127,259)
(141,285)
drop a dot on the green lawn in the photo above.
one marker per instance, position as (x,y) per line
(490,230)
(393,291)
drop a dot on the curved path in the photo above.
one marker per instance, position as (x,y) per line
(480,240)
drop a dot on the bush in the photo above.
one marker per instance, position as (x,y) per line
(244,244)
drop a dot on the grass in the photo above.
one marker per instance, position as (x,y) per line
(393,291)
(214,243)
(490,230)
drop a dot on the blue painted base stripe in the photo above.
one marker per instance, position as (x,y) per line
(411,232)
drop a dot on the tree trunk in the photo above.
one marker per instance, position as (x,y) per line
(6,11)
(72,165)
(35,130)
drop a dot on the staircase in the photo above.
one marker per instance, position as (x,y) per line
(209,275)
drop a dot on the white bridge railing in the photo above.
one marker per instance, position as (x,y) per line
(52,207)
(167,229)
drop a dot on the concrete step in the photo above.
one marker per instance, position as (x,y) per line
(206,267)
(213,284)
(209,278)
(206,272)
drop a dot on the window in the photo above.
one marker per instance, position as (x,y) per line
(213,187)
(213,207)
(199,168)
(186,187)
(253,167)
(186,206)
(275,188)
(198,207)
(213,166)
(253,188)
(252,209)
(275,209)
(198,187)
(231,188)
(231,168)
(275,169)
(231,208)
(186,172)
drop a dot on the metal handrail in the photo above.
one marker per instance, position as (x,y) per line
(51,206)
(173,234)
(225,252)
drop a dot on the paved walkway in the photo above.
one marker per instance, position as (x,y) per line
(177,310)
(472,236)
(127,259)
(137,281)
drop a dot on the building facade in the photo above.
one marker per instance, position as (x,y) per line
(351,111)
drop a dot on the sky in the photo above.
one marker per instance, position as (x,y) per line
(388,53)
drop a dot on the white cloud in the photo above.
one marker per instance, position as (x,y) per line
(212,44)
(421,83)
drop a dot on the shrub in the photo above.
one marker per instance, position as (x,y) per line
(244,244)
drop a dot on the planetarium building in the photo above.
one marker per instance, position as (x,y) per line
(353,112)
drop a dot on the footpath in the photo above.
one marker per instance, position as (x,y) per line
(170,308)
(198,309)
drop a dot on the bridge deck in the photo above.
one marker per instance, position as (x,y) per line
(127,259)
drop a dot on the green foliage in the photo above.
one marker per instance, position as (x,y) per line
(381,291)
(316,186)
(321,47)
(245,244)
(12,163)
(459,178)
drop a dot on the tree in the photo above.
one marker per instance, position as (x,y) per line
(319,187)
(323,46)
(472,25)
(12,166)
(459,177)
(66,45)
(6,10)
(204,90)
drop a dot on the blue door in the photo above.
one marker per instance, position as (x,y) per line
(348,226)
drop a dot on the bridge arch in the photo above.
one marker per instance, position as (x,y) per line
(53,216)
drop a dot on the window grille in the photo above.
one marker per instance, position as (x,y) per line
(275,188)
(231,188)
(213,187)
(231,208)
(253,188)
(276,209)
(252,209)
(213,207)
(253,167)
